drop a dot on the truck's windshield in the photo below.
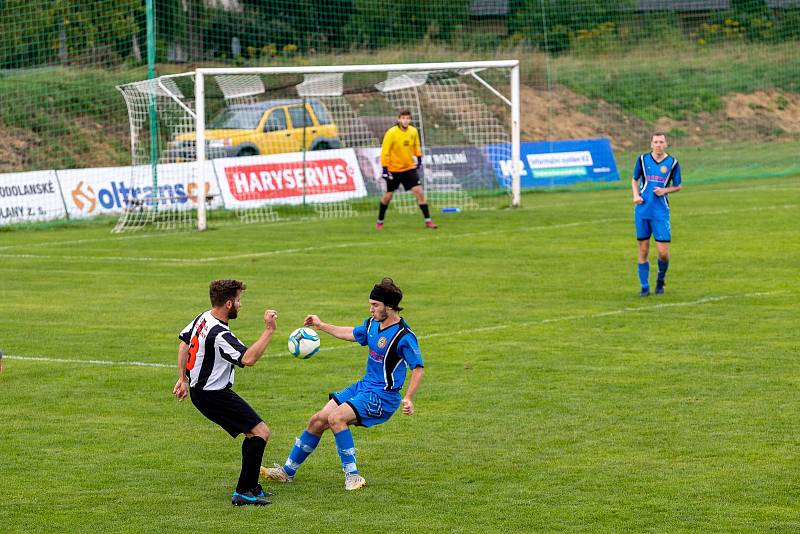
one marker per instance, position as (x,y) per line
(240,119)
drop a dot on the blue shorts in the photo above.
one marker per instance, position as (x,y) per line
(372,406)
(658,228)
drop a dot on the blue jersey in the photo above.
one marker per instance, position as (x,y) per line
(651,174)
(391,351)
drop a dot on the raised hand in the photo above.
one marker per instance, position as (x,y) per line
(271,319)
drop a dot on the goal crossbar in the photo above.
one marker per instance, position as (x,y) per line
(454,65)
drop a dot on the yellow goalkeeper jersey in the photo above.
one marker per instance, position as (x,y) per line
(399,148)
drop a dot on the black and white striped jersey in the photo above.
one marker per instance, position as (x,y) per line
(213,351)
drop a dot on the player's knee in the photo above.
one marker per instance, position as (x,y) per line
(317,423)
(261,430)
(334,419)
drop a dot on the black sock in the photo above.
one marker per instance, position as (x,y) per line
(252,453)
(382,211)
(425,212)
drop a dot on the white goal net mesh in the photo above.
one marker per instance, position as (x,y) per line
(283,145)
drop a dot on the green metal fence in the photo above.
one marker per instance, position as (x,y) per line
(715,75)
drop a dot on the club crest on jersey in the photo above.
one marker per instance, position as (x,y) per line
(664,168)
(381,342)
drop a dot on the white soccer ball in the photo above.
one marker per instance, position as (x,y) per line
(303,342)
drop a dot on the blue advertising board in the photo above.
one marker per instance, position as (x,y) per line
(551,163)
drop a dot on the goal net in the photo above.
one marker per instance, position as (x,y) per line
(265,144)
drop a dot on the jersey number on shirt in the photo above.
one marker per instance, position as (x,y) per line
(194,346)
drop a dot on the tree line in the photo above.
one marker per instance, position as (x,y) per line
(113,32)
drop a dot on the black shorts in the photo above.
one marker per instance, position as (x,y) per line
(225,408)
(407,178)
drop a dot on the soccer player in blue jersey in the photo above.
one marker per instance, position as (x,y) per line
(655,175)
(372,400)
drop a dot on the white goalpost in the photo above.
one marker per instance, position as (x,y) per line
(260,144)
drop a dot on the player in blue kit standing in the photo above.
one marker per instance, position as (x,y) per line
(655,175)
(372,400)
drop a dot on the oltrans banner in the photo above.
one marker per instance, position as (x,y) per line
(322,176)
(111,190)
(30,197)
(550,163)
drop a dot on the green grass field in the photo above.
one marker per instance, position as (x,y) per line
(555,399)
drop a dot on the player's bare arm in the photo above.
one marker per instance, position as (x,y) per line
(408,399)
(341,332)
(637,198)
(181,389)
(256,350)
(661,191)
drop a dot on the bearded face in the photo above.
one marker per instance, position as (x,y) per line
(378,310)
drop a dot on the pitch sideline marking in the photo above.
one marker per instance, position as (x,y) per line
(628,309)
(214,259)
(85,362)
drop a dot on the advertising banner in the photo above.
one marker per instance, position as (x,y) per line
(292,178)
(467,166)
(30,197)
(550,163)
(111,190)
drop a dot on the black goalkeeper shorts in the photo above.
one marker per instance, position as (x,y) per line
(407,179)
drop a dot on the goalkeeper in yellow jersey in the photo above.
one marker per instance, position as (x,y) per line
(398,152)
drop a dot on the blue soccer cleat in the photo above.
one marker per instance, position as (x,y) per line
(645,292)
(660,287)
(258,491)
(247,499)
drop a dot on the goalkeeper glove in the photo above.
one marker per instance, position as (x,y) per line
(419,163)
(386,174)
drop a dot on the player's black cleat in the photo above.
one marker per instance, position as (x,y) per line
(645,292)
(660,287)
(247,499)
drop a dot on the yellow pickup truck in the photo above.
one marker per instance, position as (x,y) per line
(268,127)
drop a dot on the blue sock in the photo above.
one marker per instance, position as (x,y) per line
(662,269)
(347,451)
(644,274)
(303,446)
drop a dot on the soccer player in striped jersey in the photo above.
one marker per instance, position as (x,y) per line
(207,354)
(655,175)
(401,159)
(393,348)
